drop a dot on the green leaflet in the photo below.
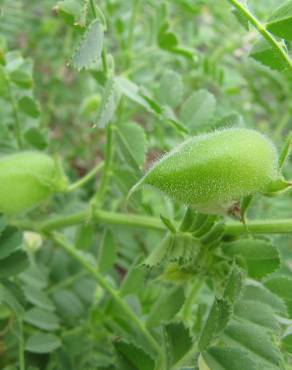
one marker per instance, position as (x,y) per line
(108,104)
(134,279)
(131,357)
(144,98)
(259,257)
(166,306)
(217,320)
(281,286)
(15,263)
(259,344)
(90,48)
(177,349)
(132,142)
(42,319)
(197,110)
(108,252)
(263,52)
(42,343)
(221,310)
(29,106)
(38,298)
(254,291)
(280,22)
(10,240)
(70,10)
(234,285)
(257,313)
(227,358)
(171,88)
(120,324)
(8,298)
(68,305)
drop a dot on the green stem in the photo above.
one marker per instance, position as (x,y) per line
(67,282)
(107,166)
(74,253)
(232,228)
(282,125)
(285,151)
(17,125)
(282,226)
(135,11)
(99,216)
(264,32)
(84,180)
(21,347)
(93,8)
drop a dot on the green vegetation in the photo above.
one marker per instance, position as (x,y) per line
(98,99)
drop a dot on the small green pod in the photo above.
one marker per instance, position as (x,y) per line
(213,171)
(27,178)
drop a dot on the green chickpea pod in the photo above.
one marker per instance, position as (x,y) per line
(214,171)
(26,179)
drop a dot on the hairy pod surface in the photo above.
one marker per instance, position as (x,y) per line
(27,178)
(214,171)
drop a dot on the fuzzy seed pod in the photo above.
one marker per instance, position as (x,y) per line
(213,171)
(27,178)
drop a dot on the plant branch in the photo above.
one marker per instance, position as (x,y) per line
(134,16)
(109,151)
(17,124)
(232,228)
(264,32)
(281,226)
(85,179)
(21,347)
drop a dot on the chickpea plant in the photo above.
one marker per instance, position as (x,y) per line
(145,203)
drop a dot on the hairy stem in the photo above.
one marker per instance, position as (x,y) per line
(264,32)
(232,228)
(282,226)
